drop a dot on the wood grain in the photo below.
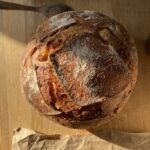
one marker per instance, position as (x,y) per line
(16,29)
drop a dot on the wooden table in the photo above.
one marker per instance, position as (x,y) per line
(16,29)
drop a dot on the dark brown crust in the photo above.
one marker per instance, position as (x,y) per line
(86,67)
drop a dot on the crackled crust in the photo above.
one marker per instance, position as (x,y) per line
(85,65)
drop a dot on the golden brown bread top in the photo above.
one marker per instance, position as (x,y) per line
(81,60)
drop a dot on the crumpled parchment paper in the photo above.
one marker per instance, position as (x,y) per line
(24,139)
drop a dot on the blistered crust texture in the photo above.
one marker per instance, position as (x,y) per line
(80,68)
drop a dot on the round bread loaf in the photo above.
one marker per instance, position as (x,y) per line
(79,68)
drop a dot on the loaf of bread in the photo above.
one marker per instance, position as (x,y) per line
(79,68)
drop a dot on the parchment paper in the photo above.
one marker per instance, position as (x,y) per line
(25,139)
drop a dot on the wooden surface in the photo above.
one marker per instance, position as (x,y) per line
(16,29)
